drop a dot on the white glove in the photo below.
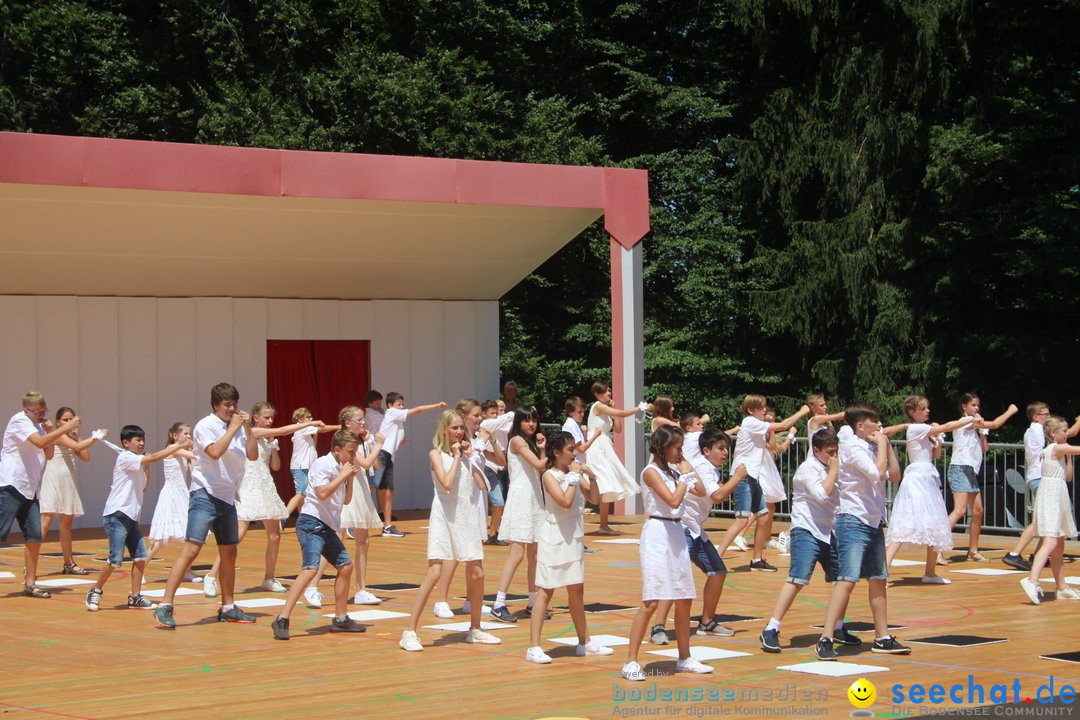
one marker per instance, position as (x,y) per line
(643,406)
(98,434)
(689,479)
(985,431)
(273,444)
(573,479)
(936,440)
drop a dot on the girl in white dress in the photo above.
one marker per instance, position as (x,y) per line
(360,515)
(257,497)
(665,560)
(560,557)
(170,514)
(612,479)
(59,495)
(454,528)
(1053,513)
(918,511)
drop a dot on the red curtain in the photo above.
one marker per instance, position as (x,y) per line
(321,375)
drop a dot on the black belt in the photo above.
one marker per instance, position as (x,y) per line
(668,519)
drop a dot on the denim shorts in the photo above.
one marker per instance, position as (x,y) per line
(861,550)
(318,540)
(123,532)
(962,478)
(1034,485)
(299,480)
(13,506)
(748,498)
(206,512)
(806,551)
(499,481)
(703,554)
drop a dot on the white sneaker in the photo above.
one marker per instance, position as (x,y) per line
(313,598)
(363,597)
(537,655)
(410,642)
(591,648)
(442,610)
(273,585)
(784,543)
(1032,590)
(192,577)
(935,580)
(480,637)
(632,671)
(210,586)
(1068,594)
(692,666)
(740,543)
(774,544)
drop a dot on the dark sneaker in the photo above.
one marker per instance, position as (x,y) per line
(138,602)
(346,625)
(494,540)
(527,613)
(770,640)
(235,615)
(280,626)
(761,566)
(164,615)
(1016,562)
(843,637)
(890,646)
(825,650)
(93,599)
(658,636)
(503,615)
(714,628)
(391,531)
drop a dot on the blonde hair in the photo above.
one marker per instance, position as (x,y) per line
(441,441)
(1035,408)
(815,399)
(258,408)
(300,413)
(913,403)
(176,427)
(752,402)
(1055,422)
(33,398)
(464,407)
(347,412)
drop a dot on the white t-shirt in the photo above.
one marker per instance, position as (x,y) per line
(811,508)
(1034,442)
(393,429)
(220,477)
(691,450)
(695,510)
(322,472)
(750,446)
(862,492)
(374,419)
(128,481)
(303,448)
(919,447)
(22,464)
(571,426)
(967,449)
(499,427)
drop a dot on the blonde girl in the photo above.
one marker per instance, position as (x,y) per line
(360,514)
(170,514)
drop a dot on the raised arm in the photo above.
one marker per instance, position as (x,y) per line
(368,461)
(658,486)
(43,442)
(554,489)
(789,421)
(602,409)
(1074,429)
(817,421)
(891,430)
(426,408)
(216,449)
(164,453)
(997,422)
(948,427)
(345,473)
(77,445)
(445,478)
(260,433)
(522,449)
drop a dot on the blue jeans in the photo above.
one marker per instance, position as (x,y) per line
(806,551)
(861,550)
(748,498)
(299,479)
(317,540)
(205,512)
(499,480)
(703,554)
(13,506)
(123,532)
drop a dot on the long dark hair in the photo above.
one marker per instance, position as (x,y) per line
(521,415)
(662,438)
(556,442)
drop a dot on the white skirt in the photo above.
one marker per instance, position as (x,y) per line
(612,479)
(257,497)
(665,562)
(772,485)
(360,514)
(524,510)
(918,511)
(170,514)
(1052,509)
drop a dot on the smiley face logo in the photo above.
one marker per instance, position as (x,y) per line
(862,693)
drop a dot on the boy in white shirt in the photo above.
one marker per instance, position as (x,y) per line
(392,429)
(28,442)
(121,515)
(329,488)
(222,446)
(373,417)
(866,461)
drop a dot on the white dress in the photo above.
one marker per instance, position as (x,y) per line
(1053,515)
(612,479)
(59,494)
(665,561)
(452,525)
(170,513)
(360,513)
(918,511)
(560,549)
(524,510)
(772,485)
(257,497)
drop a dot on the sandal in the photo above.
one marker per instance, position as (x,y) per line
(977,556)
(36,592)
(941,559)
(74,569)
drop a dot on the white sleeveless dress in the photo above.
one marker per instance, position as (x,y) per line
(918,510)
(59,493)
(665,562)
(1052,509)
(360,513)
(524,511)
(612,479)
(772,485)
(257,497)
(452,526)
(560,550)
(170,513)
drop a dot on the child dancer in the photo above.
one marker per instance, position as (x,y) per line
(613,482)
(918,512)
(663,411)
(454,529)
(121,517)
(560,557)
(575,413)
(303,453)
(969,445)
(524,507)
(1053,512)
(496,423)
(392,429)
(773,491)
(59,493)
(359,514)
(819,415)
(665,561)
(170,514)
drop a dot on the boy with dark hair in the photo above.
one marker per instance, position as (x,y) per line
(392,429)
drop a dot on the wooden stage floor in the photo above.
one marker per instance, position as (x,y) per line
(64,662)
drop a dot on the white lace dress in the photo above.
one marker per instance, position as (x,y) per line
(453,533)
(1052,509)
(918,510)
(59,494)
(170,513)
(665,561)
(560,549)
(257,497)
(524,511)
(612,479)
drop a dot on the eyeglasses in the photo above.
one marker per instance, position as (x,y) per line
(42,412)
(356,421)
